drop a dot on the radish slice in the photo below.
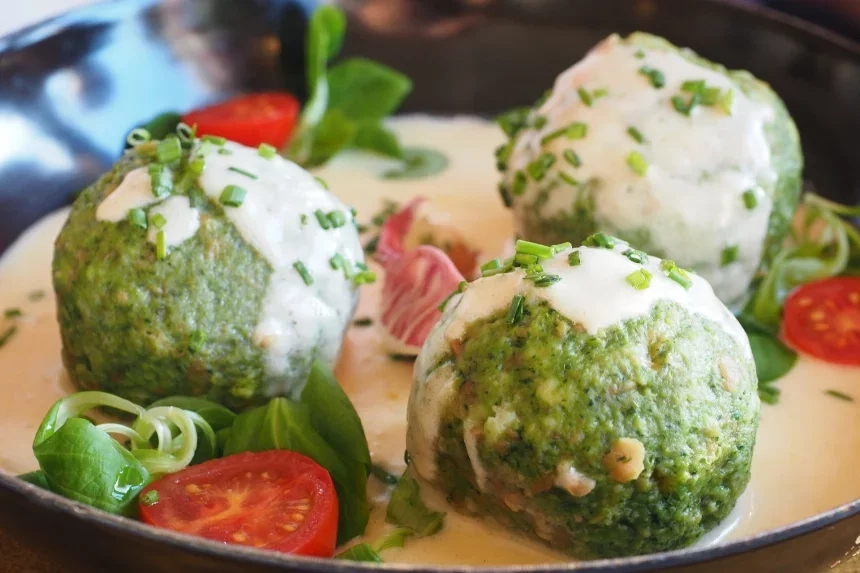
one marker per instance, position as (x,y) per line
(394,231)
(415,285)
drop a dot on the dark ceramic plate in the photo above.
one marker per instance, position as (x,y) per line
(74,86)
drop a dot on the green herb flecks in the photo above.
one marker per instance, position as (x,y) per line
(266,151)
(572,158)
(839,395)
(636,134)
(158,221)
(303,272)
(640,279)
(637,163)
(232,196)
(729,255)
(750,199)
(196,341)
(362,322)
(537,169)
(676,273)
(161,180)
(6,335)
(636,256)
(601,240)
(160,245)
(656,77)
(574,259)
(515,311)
(240,171)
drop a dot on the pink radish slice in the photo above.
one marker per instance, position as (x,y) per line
(394,231)
(415,285)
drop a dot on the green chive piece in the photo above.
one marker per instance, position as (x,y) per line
(503,153)
(556,249)
(636,134)
(676,273)
(169,150)
(572,157)
(839,395)
(577,130)
(138,136)
(322,219)
(7,335)
(729,255)
(539,122)
(601,240)
(656,77)
(680,105)
(232,196)
(750,199)
(149,498)
(197,340)
(726,101)
(337,219)
(160,245)
(267,151)
(303,272)
(507,200)
(240,171)
(524,260)
(710,96)
(214,139)
(186,133)
(158,220)
(161,178)
(693,86)
(224,151)
(337,262)
(519,184)
(574,259)
(13,313)
(584,96)
(636,256)
(599,93)
(552,135)
(637,163)
(572,181)
(322,182)
(36,295)
(546,280)
(536,249)
(515,312)
(491,265)
(498,271)
(537,169)
(196,165)
(364,278)
(639,279)
(137,217)
(639,54)
(362,322)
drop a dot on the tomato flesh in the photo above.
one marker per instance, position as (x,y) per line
(822,319)
(276,500)
(250,119)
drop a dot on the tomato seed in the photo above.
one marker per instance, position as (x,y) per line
(297,517)
(289,528)
(192,488)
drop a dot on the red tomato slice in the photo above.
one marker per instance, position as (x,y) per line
(276,500)
(822,319)
(250,120)
(415,284)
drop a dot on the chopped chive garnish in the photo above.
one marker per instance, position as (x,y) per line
(503,153)
(546,280)
(676,273)
(158,220)
(537,168)
(364,278)
(491,265)
(161,180)
(519,185)
(710,96)
(7,335)
(214,139)
(337,219)
(303,272)
(636,134)
(576,130)
(149,498)
(242,172)
(494,272)
(637,163)
(639,54)
(600,240)
(729,255)
(568,179)
(656,77)
(726,101)
(599,93)
(196,165)
(574,259)
(322,182)
(636,256)
(525,260)
(693,86)
(196,198)
(552,135)
(507,201)
(137,217)
(13,313)
(750,199)
(186,133)
(639,279)
(36,295)
(515,312)
(138,136)
(556,249)
(266,151)
(337,261)
(303,219)
(572,157)
(839,395)
(224,151)
(539,122)
(362,322)
(169,150)
(160,245)
(197,340)
(232,196)
(536,249)
(322,219)
(680,105)
(584,96)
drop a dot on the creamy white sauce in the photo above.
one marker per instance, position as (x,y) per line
(802,463)
(182,221)
(133,192)
(690,199)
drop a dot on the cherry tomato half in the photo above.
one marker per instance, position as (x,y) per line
(250,120)
(276,500)
(822,319)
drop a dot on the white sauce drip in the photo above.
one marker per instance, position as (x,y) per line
(134,192)
(690,200)
(182,220)
(296,318)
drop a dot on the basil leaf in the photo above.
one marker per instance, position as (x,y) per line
(394,538)
(216,415)
(83,463)
(334,133)
(375,138)
(286,425)
(36,478)
(333,416)
(364,89)
(407,509)
(361,552)
(773,360)
(418,163)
